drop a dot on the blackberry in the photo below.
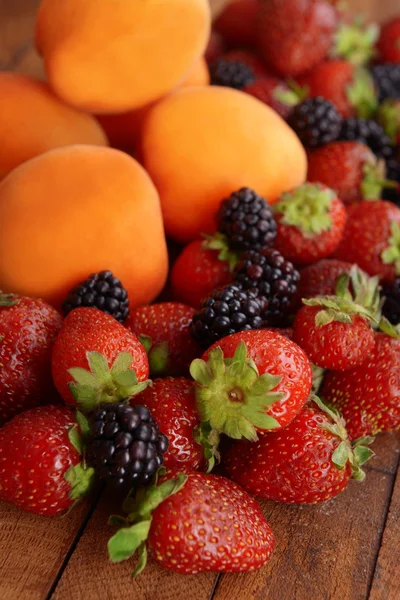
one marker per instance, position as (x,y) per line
(369,133)
(231,73)
(100,290)
(272,277)
(316,122)
(393,174)
(391,306)
(126,446)
(226,310)
(247,221)
(387,80)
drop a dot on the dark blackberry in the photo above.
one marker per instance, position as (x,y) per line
(231,73)
(387,80)
(391,306)
(247,221)
(272,277)
(226,310)
(369,133)
(126,447)
(316,122)
(100,290)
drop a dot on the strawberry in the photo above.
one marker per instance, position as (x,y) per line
(198,271)
(193,524)
(40,468)
(250,59)
(237,22)
(295,35)
(310,461)
(349,168)
(215,47)
(320,279)
(96,359)
(371,238)
(310,221)
(389,41)
(368,395)
(164,331)
(276,93)
(28,328)
(350,89)
(173,405)
(249,381)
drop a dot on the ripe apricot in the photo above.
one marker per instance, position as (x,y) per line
(117,55)
(198,74)
(33,120)
(78,210)
(201,144)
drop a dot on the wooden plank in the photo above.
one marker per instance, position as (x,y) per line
(386,583)
(33,550)
(387,453)
(325,552)
(90,575)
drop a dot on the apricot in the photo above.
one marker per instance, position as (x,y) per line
(78,210)
(33,120)
(201,144)
(198,74)
(117,55)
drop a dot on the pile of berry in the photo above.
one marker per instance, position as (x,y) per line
(280,329)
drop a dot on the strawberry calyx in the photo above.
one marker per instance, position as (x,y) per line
(135,527)
(158,355)
(356,41)
(219,242)
(231,395)
(80,476)
(334,309)
(389,117)
(386,327)
(318,374)
(355,453)
(209,439)
(102,384)
(361,94)
(307,208)
(374,180)
(290,94)
(391,254)
(8,300)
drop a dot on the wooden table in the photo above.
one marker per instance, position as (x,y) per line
(346,549)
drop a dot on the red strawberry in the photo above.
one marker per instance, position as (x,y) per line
(164,331)
(320,279)
(295,35)
(310,221)
(197,272)
(237,22)
(389,41)
(173,404)
(276,93)
(249,381)
(349,168)
(40,469)
(199,523)
(96,359)
(371,238)
(215,47)
(309,461)
(350,89)
(28,328)
(368,396)
(250,59)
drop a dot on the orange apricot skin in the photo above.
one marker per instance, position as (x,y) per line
(33,120)
(198,74)
(77,210)
(117,55)
(201,144)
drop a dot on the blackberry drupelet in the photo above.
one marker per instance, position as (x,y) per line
(247,221)
(226,310)
(100,290)
(273,278)
(391,306)
(126,447)
(231,73)
(369,133)
(316,122)
(387,80)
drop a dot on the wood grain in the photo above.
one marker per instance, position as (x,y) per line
(386,584)
(33,550)
(90,575)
